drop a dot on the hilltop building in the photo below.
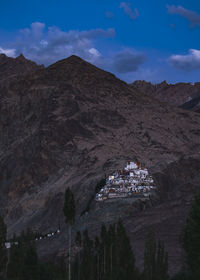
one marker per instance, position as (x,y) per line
(133,180)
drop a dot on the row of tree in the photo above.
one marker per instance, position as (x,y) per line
(21,261)
(108,256)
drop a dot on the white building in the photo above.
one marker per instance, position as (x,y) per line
(8,245)
(131,165)
(123,184)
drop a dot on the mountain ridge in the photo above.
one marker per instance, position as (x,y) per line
(173,94)
(68,125)
(11,68)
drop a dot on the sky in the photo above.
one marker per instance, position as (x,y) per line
(136,40)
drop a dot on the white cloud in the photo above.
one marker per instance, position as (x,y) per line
(8,52)
(94,52)
(47,45)
(133,14)
(188,62)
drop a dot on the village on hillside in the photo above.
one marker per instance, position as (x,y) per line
(133,181)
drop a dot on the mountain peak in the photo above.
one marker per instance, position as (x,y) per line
(21,57)
(74,58)
(75,68)
(11,67)
(3,55)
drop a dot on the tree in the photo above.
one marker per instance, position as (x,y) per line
(112,251)
(104,245)
(69,212)
(125,256)
(191,240)
(23,263)
(3,251)
(15,262)
(108,257)
(149,256)
(155,259)
(161,262)
(78,241)
(87,264)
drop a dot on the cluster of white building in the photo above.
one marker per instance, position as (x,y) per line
(9,244)
(133,180)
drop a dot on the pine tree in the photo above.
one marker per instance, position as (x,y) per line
(78,241)
(3,251)
(97,258)
(103,253)
(155,259)
(30,262)
(191,240)
(161,262)
(150,256)
(23,263)
(87,264)
(15,262)
(125,257)
(112,251)
(69,212)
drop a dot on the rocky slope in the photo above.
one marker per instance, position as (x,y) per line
(193,105)
(176,94)
(72,123)
(11,68)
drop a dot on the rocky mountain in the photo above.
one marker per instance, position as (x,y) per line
(173,94)
(193,105)
(70,124)
(11,68)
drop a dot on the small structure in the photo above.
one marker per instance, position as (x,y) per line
(134,179)
(8,245)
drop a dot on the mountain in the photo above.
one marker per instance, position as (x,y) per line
(10,67)
(71,123)
(193,105)
(174,94)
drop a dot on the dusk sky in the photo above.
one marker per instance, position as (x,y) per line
(136,40)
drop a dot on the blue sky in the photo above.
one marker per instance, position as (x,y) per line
(141,39)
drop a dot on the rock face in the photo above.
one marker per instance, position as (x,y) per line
(11,68)
(193,105)
(72,123)
(177,94)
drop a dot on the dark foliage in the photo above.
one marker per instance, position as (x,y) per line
(69,207)
(155,259)
(98,187)
(107,257)
(3,253)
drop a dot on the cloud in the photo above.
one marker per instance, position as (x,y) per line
(187,62)
(191,16)
(8,52)
(133,14)
(47,45)
(128,61)
(94,52)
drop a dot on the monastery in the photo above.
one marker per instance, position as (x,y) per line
(133,181)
